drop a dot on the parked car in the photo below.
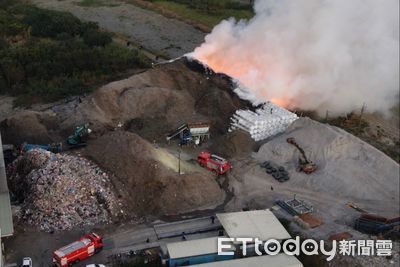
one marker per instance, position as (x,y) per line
(27,262)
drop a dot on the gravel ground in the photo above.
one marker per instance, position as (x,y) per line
(150,29)
(349,170)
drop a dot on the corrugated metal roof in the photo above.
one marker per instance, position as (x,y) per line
(260,224)
(280,260)
(6,223)
(193,248)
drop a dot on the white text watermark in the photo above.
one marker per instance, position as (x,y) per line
(295,247)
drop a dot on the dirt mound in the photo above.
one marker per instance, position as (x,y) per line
(35,127)
(147,176)
(147,105)
(159,99)
(347,167)
(235,144)
(173,93)
(59,192)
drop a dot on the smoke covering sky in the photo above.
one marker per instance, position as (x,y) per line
(313,54)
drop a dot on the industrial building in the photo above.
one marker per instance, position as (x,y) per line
(261,224)
(255,223)
(195,252)
(6,223)
(280,260)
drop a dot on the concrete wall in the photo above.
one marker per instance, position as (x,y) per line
(6,224)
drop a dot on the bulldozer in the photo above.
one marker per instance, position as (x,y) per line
(78,138)
(305,165)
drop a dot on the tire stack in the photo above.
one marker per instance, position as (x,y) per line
(278,172)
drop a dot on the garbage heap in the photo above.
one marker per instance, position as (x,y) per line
(264,122)
(59,191)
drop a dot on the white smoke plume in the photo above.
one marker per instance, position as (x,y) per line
(313,54)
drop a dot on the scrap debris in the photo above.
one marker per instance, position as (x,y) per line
(59,191)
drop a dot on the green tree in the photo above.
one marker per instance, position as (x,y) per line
(45,23)
(96,38)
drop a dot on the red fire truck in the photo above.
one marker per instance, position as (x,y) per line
(213,162)
(79,250)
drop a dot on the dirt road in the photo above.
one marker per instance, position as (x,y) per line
(144,27)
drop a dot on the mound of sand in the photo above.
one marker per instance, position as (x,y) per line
(348,168)
(29,126)
(235,144)
(146,176)
(173,93)
(160,99)
(149,104)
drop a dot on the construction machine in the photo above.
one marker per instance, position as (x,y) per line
(53,147)
(373,224)
(305,165)
(195,133)
(79,136)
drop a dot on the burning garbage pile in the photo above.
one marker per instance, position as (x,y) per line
(311,56)
(59,192)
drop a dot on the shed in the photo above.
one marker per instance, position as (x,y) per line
(280,260)
(194,252)
(260,224)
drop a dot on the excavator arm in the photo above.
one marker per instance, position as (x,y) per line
(305,165)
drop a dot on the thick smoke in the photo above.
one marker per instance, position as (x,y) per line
(313,55)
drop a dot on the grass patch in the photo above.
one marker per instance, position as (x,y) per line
(56,55)
(196,12)
(209,18)
(96,3)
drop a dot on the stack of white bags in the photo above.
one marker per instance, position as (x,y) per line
(264,122)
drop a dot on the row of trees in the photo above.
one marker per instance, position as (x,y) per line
(214,5)
(47,55)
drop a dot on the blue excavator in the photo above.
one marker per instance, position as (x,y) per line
(77,139)
(54,147)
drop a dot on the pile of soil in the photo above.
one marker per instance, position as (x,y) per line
(147,178)
(346,165)
(236,144)
(32,126)
(128,117)
(151,104)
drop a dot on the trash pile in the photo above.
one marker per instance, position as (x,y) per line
(264,122)
(59,191)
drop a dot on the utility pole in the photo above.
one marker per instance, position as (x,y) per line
(179,161)
(362,113)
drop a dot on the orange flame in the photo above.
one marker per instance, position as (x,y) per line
(239,69)
(282,102)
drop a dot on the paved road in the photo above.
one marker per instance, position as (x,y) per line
(158,234)
(117,239)
(147,28)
